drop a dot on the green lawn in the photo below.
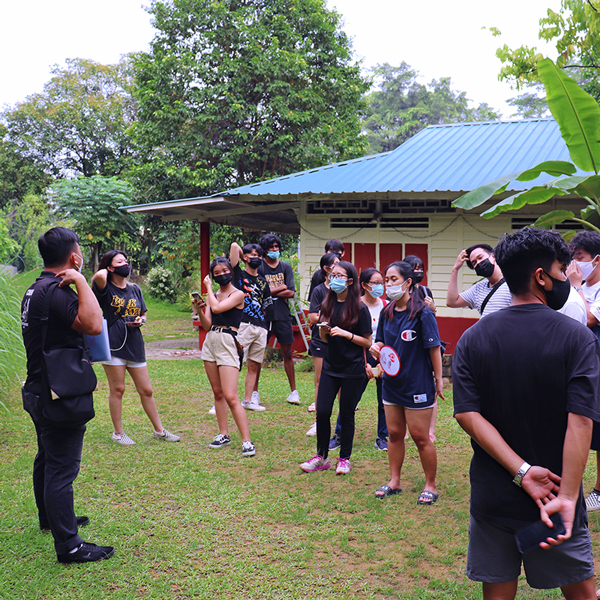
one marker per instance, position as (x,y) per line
(190,522)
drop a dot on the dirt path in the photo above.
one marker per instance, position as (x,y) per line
(178,348)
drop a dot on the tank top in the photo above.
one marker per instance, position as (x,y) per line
(229,318)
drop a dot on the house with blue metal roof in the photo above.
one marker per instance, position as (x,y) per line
(388,205)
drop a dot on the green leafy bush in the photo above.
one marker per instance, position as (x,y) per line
(12,354)
(162,285)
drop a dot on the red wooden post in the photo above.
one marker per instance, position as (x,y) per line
(204,249)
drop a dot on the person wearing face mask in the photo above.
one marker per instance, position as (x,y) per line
(124,309)
(221,320)
(317,347)
(345,324)
(280,277)
(252,334)
(487,296)
(331,246)
(69,316)
(584,275)
(526,390)
(408,326)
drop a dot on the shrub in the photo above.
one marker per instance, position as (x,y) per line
(161,284)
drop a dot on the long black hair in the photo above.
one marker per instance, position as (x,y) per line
(220,260)
(415,303)
(351,305)
(107,258)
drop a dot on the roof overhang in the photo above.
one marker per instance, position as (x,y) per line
(228,210)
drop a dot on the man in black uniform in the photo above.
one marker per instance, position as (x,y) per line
(526,389)
(57,462)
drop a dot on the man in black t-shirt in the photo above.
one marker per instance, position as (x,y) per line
(526,389)
(57,462)
(252,334)
(280,277)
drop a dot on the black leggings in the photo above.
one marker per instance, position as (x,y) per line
(349,397)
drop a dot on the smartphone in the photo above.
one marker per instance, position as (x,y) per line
(197,296)
(531,536)
(319,325)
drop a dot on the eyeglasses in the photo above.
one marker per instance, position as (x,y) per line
(336,276)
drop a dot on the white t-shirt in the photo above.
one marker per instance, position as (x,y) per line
(592,295)
(475,296)
(375,312)
(575,307)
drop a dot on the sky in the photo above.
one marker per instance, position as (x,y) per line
(438,38)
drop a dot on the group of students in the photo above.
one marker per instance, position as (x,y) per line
(351,322)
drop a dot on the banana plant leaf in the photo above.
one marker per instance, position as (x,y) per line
(552,167)
(535,195)
(577,115)
(551,219)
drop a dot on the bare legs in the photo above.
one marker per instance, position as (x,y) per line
(116,383)
(582,590)
(418,422)
(251,381)
(224,384)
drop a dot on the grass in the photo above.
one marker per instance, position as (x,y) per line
(189,522)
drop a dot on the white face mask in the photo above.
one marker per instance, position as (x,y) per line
(586,268)
(395,292)
(80,264)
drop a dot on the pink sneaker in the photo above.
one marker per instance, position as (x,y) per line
(316,463)
(343,466)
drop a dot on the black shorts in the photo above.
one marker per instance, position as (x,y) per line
(282,330)
(317,347)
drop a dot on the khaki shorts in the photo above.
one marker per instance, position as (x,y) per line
(220,347)
(254,340)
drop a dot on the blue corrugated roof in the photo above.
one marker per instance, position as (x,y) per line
(444,158)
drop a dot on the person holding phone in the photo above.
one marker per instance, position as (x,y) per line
(345,324)
(408,327)
(221,352)
(124,309)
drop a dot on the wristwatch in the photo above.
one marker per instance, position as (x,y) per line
(521,473)
(577,288)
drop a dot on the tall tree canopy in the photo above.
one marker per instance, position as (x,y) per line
(78,124)
(19,175)
(575,30)
(233,91)
(401,106)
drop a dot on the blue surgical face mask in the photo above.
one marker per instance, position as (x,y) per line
(337,285)
(377,290)
(273,254)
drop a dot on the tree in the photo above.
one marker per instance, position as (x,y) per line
(575,30)
(79,123)
(578,116)
(234,91)
(19,175)
(530,105)
(401,106)
(93,205)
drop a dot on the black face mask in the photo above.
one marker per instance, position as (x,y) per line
(122,271)
(557,297)
(255,262)
(484,268)
(417,276)
(223,279)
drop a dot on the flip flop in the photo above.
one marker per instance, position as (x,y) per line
(427,498)
(387,491)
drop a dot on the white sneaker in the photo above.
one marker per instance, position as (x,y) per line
(343,466)
(592,502)
(316,463)
(255,398)
(167,436)
(313,429)
(212,411)
(248,449)
(294,397)
(122,439)
(250,405)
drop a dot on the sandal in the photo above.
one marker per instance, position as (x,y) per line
(427,498)
(386,491)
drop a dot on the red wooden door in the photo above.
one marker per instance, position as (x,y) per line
(364,256)
(389,253)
